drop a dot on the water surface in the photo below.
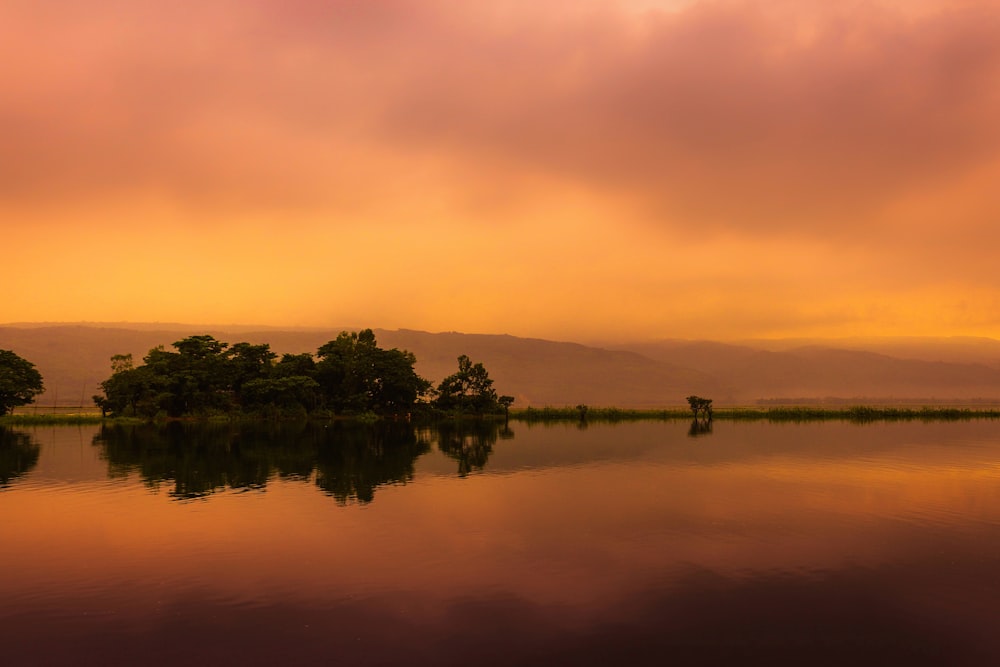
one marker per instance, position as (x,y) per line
(821,543)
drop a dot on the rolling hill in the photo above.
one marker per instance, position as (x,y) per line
(73,359)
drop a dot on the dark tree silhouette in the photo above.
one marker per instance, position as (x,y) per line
(470,390)
(205,376)
(19,381)
(356,375)
(701,406)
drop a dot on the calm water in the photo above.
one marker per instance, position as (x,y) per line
(820,544)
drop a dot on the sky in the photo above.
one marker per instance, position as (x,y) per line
(567,169)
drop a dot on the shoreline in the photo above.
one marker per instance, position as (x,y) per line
(531,415)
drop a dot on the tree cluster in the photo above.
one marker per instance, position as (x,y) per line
(348,375)
(470,390)
(702,406)
(20,382)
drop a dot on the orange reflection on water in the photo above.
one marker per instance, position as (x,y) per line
(554,535)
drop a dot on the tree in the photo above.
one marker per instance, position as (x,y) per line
(505,402)
(356,375)
(197,378)
(129,391)
(700,405)
(290,395)
(249,362)
(19,381)
(296,364)
(121,363)
(206,376)
(469,390)
(397,386)
(345,370)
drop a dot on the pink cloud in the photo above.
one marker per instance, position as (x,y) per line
(761,117)
(723,114)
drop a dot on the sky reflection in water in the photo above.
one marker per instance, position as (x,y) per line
(826,542)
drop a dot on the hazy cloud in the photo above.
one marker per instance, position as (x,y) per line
(822,148)
(726,113)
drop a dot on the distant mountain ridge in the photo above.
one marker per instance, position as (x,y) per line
(74,358)
(817,371)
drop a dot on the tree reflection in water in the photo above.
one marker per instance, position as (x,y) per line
(198,459)
(470,443)
(347,461)
(355,459)
(18,455)
(700,427)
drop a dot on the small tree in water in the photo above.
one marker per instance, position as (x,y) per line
(700,405)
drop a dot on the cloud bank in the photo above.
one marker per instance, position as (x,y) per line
(626,135)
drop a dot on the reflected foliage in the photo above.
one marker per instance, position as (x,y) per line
(197,460)
(354,459)
(347,461)
(470,443)
(18,455)
(700,427)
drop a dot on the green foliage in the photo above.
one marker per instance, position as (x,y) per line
(49,419)
(470,391)
(130,391)
(205,377)
(857,414)
(289,395)
(865,413)
(701,406)
(248,363)
(505,402)
(302,365)
(20,382)
(357,376)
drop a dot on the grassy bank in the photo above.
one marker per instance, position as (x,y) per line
(596,414)
(27,419)
(860,414)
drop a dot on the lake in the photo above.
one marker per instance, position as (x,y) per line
(823,543)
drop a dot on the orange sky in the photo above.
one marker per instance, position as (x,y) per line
(580,169)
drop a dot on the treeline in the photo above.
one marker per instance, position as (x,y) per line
(350,375)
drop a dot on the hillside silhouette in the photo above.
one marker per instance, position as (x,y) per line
(73,359)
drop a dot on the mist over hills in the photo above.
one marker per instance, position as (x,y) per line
(960,349)
(940,371)
(73,359)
